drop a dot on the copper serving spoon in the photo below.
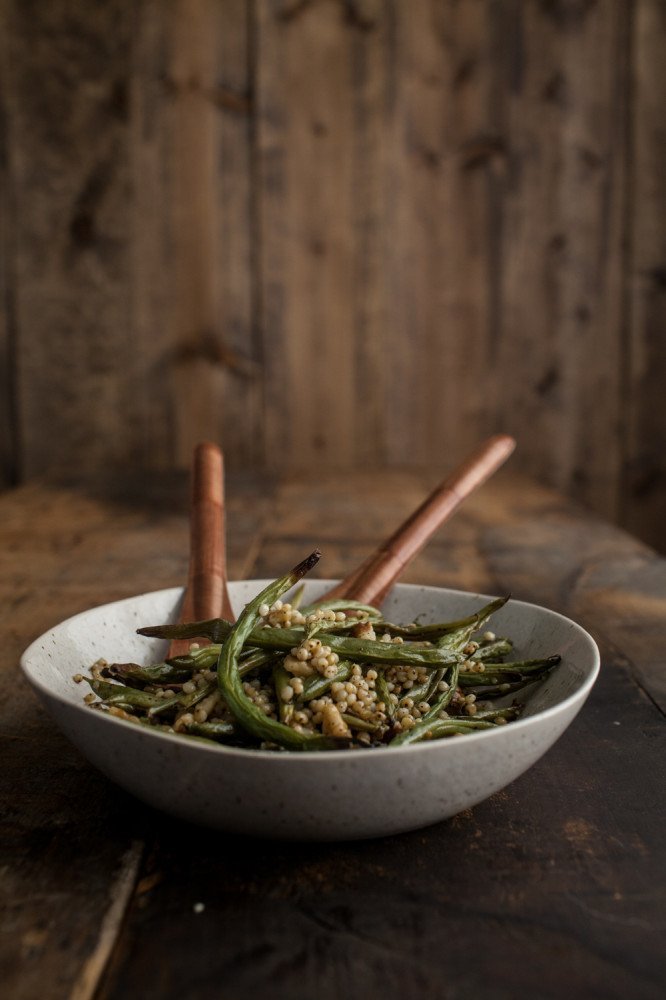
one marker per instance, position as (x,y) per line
(206,594)
(374,578)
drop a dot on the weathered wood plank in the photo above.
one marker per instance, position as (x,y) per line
(437,232)
(372,257)
(310,60)
(62,843)
(9,444)
(215,370)
(560,101)
(130,175)
(644,483)
(66,103)
(149,388)
(70,841)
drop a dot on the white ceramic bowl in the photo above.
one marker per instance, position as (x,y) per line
(335,795)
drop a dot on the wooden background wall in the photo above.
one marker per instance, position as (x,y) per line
(352,232)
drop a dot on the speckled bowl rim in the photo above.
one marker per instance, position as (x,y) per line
(430,746)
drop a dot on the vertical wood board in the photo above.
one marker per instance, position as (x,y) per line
(644,481)
(436,233)
(561,98)
(9,443)
(66,103)
(131,253)
(216,366)
(308,111)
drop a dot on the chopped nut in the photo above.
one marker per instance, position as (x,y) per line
(333,724)
(364,630)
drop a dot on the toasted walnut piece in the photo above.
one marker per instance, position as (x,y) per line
(364,630)
(333,724)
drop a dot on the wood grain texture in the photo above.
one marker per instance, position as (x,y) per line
(129,170)
(644,495)
(9,445)
(372,232)
(551,866)
(308,160)
(436,233)
(560,96)
(206,594)
(196,351)
(334,234)
(70,842)
(66,107)
(557,876)
(215,369)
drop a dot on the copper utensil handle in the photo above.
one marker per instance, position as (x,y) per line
(375,577)
(206,594)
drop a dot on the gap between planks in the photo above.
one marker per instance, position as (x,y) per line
(122,890)
(124,884)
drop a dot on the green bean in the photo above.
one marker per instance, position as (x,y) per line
(358,650)
(449,727)
(354,722)
(434,728)
(487,650)
(433,684)
(340,604)
(387,654)
(155,673)
(164,706)
(297,597)
(206,659)
(443,700)
(438,630)
(119,694)
(425,691)
(281,680)
(497,713)
(316,685)
(498,673)
(214,729)
(456,640)
(246,713)
(523,666)
(167,729)
(473,680)
(383,694)
(186,701)
(315,628)
(500,689)
(252,659)
(445,697)
(431,632)
(198,659)
(183,702)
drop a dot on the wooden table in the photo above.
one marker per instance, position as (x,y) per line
(551,888)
